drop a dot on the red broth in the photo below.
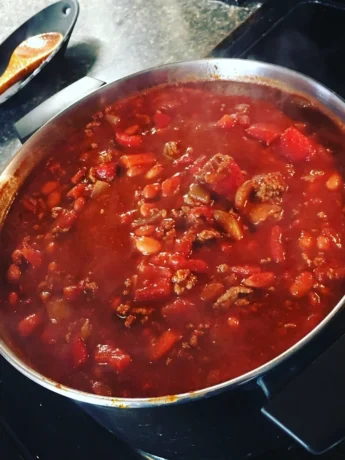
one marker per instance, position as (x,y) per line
(185,237)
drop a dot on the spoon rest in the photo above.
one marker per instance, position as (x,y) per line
(59,17)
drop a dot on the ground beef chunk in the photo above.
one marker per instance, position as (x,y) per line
(183,279)
(269,187)
(207,235)
(171,150)
(233,296)
(215,170)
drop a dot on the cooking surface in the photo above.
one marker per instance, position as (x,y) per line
(59,428)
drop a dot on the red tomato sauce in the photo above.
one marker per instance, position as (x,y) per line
(185,237)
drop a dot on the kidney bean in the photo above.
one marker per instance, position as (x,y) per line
(132,129)
(72,292)
(151,191)
(277,248)
(229,224)
(79,175)
(212,291)
(260,280)
(79,204)
(302,284)
(154,172)
(54,199)
(147,209)
(323,243)
(233,322)
(28,325)
(77,191)
(141,159)
(334,182)
(306,241)
(13,274)
(127,140)
(144,230)
(171,186)
(13,298)
(158,291)
(147,245)
(49,187)
(163,344)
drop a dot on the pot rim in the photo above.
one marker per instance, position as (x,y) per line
(321,92)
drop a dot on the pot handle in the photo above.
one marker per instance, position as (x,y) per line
(40,115)
(311,407)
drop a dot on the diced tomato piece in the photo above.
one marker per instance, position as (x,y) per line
(231,182)
(127,140)
(163,344)
(162,259)
(197,165)
(79,352)
(177,261)
(277,248)
(129,161)
(264,132)
(106,171)
(101,389)
(27,325)
(185,160)
(114,357)
(184,246)
(179,308)
(150,272)
(295,146)
(161,120)
(32,256)
(160,290)
(235,119)
(65,220)
(227,121)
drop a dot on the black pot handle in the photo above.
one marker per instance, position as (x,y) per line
(311,407)
(40,115)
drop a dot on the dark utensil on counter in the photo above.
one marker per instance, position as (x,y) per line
(60,18)
(302,390)
(28,56)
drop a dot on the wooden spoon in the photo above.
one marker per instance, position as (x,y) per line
(28,56)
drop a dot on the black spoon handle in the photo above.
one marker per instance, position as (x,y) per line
(31,122)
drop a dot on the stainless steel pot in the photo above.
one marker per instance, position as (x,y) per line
(228,417)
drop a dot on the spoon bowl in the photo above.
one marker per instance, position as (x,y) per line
(60,17)
(28,56)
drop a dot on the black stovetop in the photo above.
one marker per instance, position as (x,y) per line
(35,423)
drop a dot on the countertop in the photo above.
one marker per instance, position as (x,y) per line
(129,34)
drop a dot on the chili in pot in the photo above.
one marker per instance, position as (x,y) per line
(184,238)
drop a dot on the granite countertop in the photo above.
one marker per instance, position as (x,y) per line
(131,35)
